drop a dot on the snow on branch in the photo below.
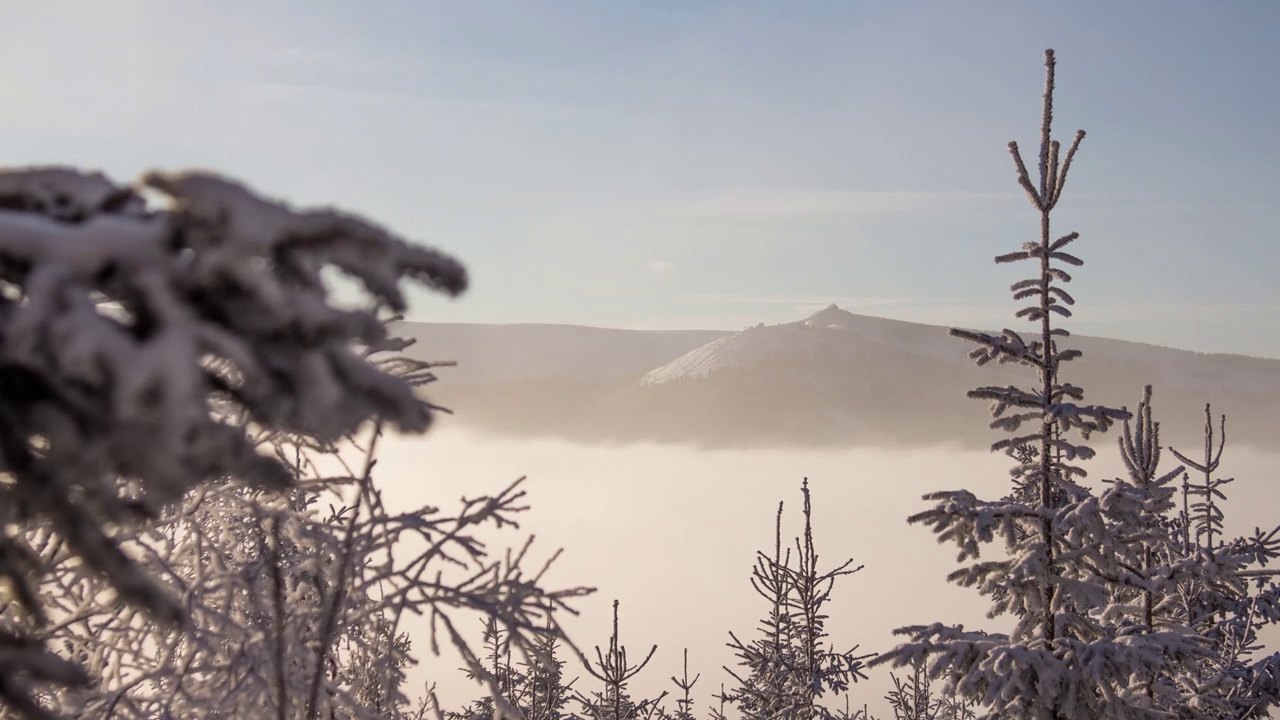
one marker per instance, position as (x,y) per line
(139,347)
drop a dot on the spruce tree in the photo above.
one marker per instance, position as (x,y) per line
(1225,593)
(791,665)
(152,358)
(684,703)
(1177,573)
(763,693)
(913,698)
(1061,660)
(615,671)
(498,670)
(545,692)
(128,330)
(1145,561)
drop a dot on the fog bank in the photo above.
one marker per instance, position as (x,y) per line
(672,533)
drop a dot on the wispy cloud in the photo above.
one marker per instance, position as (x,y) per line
(730,322)
(783,204)
(1179,312)
(844,301)
(337,93)
(1122,318)
(311,58)
(776,306)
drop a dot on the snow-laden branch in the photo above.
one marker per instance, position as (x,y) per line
(141,347)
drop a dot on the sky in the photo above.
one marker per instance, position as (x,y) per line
(708,164)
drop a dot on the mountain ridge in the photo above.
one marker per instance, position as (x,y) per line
(833,378)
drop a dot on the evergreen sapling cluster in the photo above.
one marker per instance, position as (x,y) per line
(790,666)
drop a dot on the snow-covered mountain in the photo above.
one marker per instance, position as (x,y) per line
(831,334)
(832,378)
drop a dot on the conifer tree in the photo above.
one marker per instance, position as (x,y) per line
(279,629)
(1062,660)
(1177,573)
(684,703)
(763,693)
(497,670)
(791,665)
(615,671)
(1145,562)
(154,362)
(914,699)
(1203,518)
(716,712)
(1226,594)
(545,693)
(126,327)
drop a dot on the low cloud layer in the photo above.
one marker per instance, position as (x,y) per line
(671,532)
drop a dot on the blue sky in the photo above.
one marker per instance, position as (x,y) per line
(709,164)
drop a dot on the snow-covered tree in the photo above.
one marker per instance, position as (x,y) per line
(913,698)
(1062,658)
(1176,572)
(252,569)
(1144,562)
(545,693)
(684,702)
(533,685)
(614,671)
(1225,593)
(218,298)
(791,664)
(763,692)
(277,621)
(499,669)
(155,362)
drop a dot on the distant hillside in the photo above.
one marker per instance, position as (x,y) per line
(835,378)
(516,353)
(829,336)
